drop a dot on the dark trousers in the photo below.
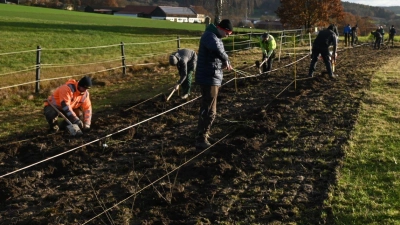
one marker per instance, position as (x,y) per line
(354,39)
(346,39)
(267,66)
(51,116)
(208,109)
(314,58)
(391,38)
(377,43)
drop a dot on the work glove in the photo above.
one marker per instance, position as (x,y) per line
(86,127)
(79,123)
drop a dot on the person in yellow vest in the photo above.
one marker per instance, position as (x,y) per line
(72,99)
(268,46)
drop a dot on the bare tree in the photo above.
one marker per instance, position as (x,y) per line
(218,11)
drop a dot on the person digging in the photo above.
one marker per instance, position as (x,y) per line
(324,39)
(185,60)
(268,46)
(72,100)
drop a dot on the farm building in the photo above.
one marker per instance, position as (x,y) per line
(103,10)
(136,11)
(201,13)
(175,14)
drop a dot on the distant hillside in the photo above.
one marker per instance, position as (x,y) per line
(395,9)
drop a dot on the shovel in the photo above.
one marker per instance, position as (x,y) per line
(73,129)
(258,65)
(170,94)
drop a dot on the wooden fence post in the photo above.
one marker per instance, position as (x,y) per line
(250,34)
(123,58)
(38,53)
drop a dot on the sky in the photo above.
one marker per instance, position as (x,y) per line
(375,2)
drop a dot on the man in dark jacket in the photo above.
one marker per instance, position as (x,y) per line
(392,32)
(378,38)
(185,60)
(212,59)
(324,39)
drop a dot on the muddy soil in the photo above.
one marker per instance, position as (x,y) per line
(279,144)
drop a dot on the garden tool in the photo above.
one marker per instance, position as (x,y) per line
(169,96)
(333,60)
(258,65)
(73,129)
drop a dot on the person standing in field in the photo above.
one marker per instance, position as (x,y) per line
(347,32)
(324,39)
(212,59)
(354,37)
(392,32)
(185,60)
(382,32)
(268,46)
(72,99)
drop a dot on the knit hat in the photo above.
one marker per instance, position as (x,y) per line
(173,60)
(265,35)
(226,24)
(85,82)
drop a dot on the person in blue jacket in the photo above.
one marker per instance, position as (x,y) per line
(347,33)
(212,59)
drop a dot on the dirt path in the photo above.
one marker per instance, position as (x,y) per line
(278,158)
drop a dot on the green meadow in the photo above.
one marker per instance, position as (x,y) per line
(368,189)
(68,37)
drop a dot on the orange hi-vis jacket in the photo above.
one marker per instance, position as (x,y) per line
(67,97)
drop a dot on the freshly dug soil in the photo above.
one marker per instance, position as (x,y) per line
(279,146)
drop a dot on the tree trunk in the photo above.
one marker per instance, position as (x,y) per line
(218,11)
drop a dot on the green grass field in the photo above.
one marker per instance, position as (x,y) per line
(368,189)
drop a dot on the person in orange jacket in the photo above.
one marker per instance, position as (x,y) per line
(72,99)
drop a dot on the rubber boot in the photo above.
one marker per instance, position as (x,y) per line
(202,141)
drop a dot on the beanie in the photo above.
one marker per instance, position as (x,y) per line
(226,24)
(265,35)
(85,82)
(173,60)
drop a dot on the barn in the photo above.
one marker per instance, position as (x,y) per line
(136,11)
(175,14)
